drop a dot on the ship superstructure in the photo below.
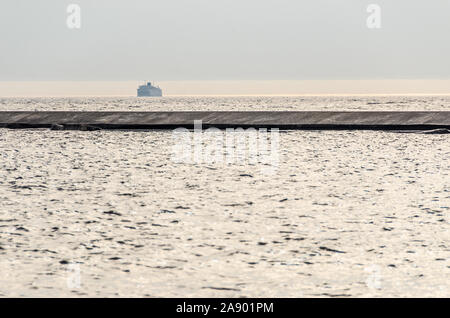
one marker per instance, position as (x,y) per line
(148,90)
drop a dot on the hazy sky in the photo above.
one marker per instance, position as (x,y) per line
(165,40)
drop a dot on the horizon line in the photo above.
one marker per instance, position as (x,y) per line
(400,87)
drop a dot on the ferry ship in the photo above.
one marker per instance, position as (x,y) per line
(148,90)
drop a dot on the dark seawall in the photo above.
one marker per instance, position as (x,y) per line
(322,120)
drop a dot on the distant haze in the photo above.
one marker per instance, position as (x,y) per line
(228,87)
(223,40)
(218,40)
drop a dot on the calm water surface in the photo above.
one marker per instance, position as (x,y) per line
(109,213)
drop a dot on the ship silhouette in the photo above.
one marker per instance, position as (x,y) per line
(148,90)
